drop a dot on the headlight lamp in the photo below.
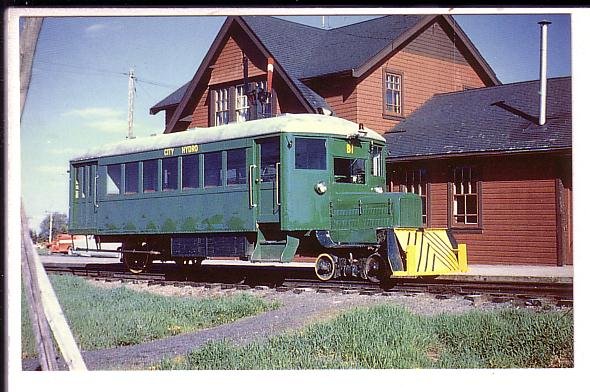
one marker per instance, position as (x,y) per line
(321,187)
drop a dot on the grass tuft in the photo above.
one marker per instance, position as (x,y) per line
(101,318)
(387,336)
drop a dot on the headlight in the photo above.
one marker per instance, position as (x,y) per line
(321,187)
(378,189)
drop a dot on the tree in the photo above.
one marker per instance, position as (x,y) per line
(34,236)
(59,226)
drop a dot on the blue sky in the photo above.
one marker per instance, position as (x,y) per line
(78,92)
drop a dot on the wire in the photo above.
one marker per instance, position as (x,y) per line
(156,83)
(83,67)
(97,72)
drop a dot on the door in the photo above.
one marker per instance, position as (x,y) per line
(93,191)
(267,180)
(84,197)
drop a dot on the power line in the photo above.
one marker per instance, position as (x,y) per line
(96,71)
(83,67)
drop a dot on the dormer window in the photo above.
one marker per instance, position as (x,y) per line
(231,104)
(221,98)
(392,94)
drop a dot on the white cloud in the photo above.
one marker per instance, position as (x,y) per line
(95,28)
(52,169)
(64,150)
(102,119)
(94,112)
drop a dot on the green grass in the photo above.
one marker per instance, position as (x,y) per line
(101,318)
(386,336)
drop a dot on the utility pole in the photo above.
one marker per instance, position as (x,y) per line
(50,226)
(131,103)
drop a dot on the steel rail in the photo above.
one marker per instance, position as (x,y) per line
(179,276)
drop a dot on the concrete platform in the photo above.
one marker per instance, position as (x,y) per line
(516,273)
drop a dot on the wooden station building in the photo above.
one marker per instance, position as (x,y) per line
(470,146)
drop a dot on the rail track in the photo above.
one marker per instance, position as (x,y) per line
(224,277)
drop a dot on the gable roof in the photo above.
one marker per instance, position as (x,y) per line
(493,119)
(302,52)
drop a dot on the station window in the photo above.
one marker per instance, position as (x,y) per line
(150,175)
(465,197)
(231,103)
(310,153)
(392,93)
(131,177)
(221,106)
(212,169)
(169,174)
(349,170)
(80,183)
(241,104)
(377,159)
(416,181)
(236,166)
(190,171)
(114,179)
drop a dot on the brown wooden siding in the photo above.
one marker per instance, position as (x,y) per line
(429,65)
(340,93)
(227,69)
(228,66)
(519,211)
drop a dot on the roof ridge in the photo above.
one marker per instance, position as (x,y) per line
(360,22)
(284,20)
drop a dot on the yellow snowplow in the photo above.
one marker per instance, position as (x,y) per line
(429,252)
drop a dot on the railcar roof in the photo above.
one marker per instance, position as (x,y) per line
(295,123)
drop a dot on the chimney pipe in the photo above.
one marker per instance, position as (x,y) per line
(543,73)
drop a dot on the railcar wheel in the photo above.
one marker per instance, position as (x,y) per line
(325,266)
(137,262)
(374,268)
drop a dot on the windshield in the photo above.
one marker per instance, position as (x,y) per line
(349,170)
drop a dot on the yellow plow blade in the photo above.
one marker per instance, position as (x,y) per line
(430,252)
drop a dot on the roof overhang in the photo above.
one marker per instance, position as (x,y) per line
(469,154)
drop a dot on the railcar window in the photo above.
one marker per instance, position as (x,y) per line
(310,153)
(190,171)
(80,184)
(150,175)
(350,171)
(269,156)
(212,169)
(377,170)
(114,179)
(236,166)
(169,174)
(131,177)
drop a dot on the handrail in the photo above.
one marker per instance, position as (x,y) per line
(278,195)
(250,187)
(95,198)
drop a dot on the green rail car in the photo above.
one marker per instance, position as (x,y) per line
(266,190)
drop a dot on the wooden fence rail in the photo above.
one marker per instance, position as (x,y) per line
(46,316)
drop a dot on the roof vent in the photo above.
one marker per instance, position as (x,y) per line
(543,74)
